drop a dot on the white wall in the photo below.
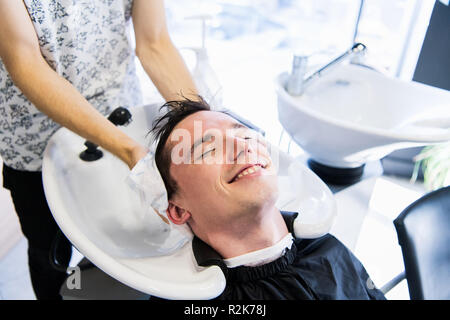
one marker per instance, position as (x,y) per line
(10,232)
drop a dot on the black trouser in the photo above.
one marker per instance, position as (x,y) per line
(40,229)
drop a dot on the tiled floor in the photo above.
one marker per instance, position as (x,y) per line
(15,283)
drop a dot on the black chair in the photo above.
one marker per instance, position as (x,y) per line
(423,231)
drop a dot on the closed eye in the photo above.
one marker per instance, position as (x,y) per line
(204,154)
(258,140)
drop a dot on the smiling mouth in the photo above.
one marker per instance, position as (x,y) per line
(251,169)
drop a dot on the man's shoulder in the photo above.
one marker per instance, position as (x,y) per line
(322,245)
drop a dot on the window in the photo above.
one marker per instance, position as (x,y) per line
(250,42)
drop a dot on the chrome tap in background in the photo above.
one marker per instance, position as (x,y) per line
(297,81)
(296,78)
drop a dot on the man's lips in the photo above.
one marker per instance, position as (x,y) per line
(248,169)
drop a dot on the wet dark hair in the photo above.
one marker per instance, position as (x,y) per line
(163,127)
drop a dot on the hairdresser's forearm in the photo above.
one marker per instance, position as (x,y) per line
(59,99)
(167,70)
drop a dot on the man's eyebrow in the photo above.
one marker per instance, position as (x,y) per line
(238,125)
(207,137)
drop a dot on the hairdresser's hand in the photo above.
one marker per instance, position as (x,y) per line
(137,153)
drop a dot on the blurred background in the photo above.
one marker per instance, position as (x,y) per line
(254,40)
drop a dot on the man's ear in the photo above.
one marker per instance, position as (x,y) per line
(177,214)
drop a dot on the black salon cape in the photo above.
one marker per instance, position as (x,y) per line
(321,268)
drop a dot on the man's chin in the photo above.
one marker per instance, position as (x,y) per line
(259,195)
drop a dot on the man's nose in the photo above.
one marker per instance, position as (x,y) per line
(240,149)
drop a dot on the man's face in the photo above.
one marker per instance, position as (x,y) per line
(222,169)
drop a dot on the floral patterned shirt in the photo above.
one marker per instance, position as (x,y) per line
(88,43)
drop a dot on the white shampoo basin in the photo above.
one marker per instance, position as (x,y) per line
(104,220)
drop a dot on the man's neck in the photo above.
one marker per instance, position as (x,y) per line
(249,234)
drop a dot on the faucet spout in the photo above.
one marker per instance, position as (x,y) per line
(297,82)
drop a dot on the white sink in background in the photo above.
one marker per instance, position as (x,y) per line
(353,115)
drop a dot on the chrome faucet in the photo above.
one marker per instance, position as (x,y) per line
(297,81)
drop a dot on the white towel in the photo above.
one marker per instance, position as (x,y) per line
(146,179)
